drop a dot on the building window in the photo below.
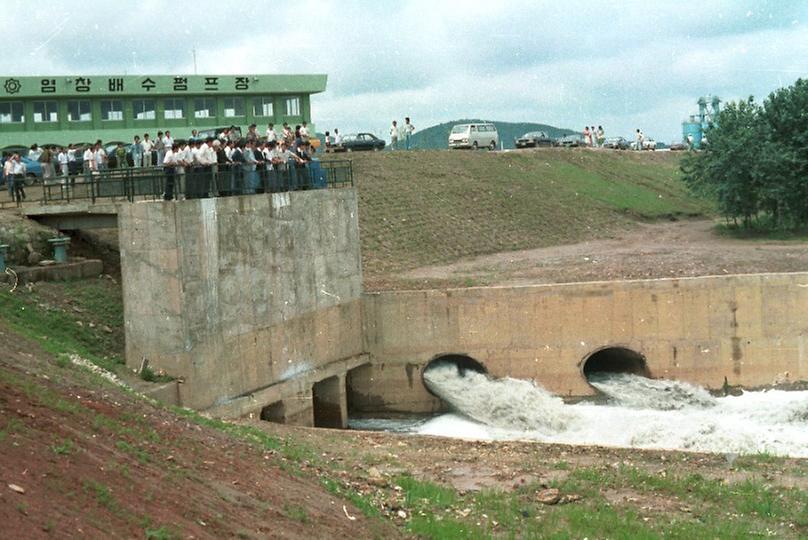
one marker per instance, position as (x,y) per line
(204,108)
(293,106)
(233,107)
(174,109)
(46,111)
(263,107)
(111,109)
(79,111)
(143,109)
(11,112)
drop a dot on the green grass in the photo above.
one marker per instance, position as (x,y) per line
(64,448)
(296,512)
(103,495)
(57,330)
(419,208)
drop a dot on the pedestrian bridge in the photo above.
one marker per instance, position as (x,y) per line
(91,201)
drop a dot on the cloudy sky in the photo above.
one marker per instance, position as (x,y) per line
(623,64)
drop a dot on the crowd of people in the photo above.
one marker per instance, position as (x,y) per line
(248,159)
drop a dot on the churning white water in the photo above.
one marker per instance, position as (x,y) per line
(641,413)
(644,393)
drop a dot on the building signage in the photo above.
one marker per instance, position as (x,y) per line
(152,84)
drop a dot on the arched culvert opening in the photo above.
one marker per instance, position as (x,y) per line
(462,362)
(615,360)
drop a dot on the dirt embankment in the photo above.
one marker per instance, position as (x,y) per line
(78,460)
(686,248)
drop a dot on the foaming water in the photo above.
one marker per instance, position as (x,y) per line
(507,403)
(641,413)
(643,393)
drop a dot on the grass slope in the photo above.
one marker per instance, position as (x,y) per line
(430,207)
(436,137)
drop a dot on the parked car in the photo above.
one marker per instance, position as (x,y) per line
(676,147)
(474,136)
(571,141)
(360,141)
(616,143)
(533,139)
(647,144)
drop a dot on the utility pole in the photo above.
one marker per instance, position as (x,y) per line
(193,51)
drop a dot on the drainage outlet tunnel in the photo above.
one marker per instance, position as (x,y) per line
(461,362)
(614,360)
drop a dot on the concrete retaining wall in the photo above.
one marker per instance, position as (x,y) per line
(749,329)
(237,294)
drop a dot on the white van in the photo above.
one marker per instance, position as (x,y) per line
(474,136)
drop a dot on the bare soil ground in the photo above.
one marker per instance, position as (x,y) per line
(95,462)
(659,250)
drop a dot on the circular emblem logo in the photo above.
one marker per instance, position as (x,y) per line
(12,86)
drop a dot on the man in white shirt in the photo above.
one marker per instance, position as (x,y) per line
(337,137)
(271,135)
(394,135)
(170,169)
(304,132)
(89,163)
(18,171)
(168,140)
(34,152)
(62,159)
(148,146)
(100,157)
(71,159)
(8,174)
(409,129)
(183,159)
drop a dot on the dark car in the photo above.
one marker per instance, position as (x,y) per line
(678,147)
(616,143)
(360,141)
(533,139)
(571,141)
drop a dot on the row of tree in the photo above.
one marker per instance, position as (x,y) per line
(756,163)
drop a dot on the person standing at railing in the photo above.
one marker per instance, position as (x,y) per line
(121,161)
(146,157)
(18,171)
(64,171)
(160,148)
(271,135)
(170,170)
(72,169)
(89,164)
(182,156)
(237,161)
(137,152)
(249,168)
(100,157)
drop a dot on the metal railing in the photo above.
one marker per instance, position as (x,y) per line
(153,183)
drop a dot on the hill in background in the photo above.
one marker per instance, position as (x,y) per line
(436,137)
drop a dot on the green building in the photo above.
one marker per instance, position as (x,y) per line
(82,109)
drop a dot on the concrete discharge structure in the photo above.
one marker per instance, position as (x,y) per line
(749,330)
(255,303)
(249,300)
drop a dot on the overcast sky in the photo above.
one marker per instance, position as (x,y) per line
(623,64)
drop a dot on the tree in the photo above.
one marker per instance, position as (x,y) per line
(756,165)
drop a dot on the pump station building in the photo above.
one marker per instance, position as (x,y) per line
(84,108)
